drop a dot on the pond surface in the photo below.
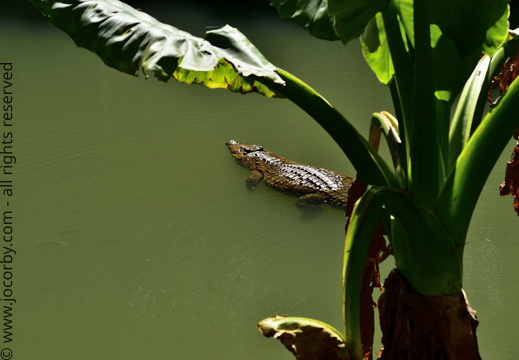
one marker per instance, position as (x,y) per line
(135,235)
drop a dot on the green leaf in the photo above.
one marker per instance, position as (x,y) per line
(497,34)
(461,30)
(470,100)
(307,339)
(376,50)
(330,19)
(311,15)
(131,41)
(440,49)
(459,196)
(473,25)
(352,17)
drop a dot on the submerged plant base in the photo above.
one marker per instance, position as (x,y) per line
(425,327)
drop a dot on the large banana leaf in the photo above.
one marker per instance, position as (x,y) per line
(330,19)
(132,41)
(311,15)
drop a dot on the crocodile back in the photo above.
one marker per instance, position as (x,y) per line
(292,177)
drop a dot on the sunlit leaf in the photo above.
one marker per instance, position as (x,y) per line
(461,30)
(497,33)
(376,50)
(307,339)
(131,41)
(474,26)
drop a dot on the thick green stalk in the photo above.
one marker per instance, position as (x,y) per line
(360,229)
(367,162)
(466,110)
(426,167)
(402,90)
(424,251)
(464,185)
(472,101)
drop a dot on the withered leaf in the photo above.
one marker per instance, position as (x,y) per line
(307,339)
(503,80)
(511,183)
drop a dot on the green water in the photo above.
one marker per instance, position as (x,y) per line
(135,235)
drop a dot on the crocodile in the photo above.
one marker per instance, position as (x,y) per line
(312,185)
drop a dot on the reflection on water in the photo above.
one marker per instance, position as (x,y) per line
(139,238)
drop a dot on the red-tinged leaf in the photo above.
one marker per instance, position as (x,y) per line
(503,80)
(511,184)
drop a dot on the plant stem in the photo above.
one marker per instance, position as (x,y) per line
(402,90)
(458,198)
(426,163)
(368,163)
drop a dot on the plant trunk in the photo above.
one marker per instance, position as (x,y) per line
(425,327)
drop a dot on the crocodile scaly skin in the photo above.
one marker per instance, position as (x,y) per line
(313,185)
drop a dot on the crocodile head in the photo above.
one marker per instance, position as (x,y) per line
(239,150)
(246,155)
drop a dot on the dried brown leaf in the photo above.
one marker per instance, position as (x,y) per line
(307,339)
(511,184)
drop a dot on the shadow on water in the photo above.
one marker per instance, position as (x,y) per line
(139,238)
